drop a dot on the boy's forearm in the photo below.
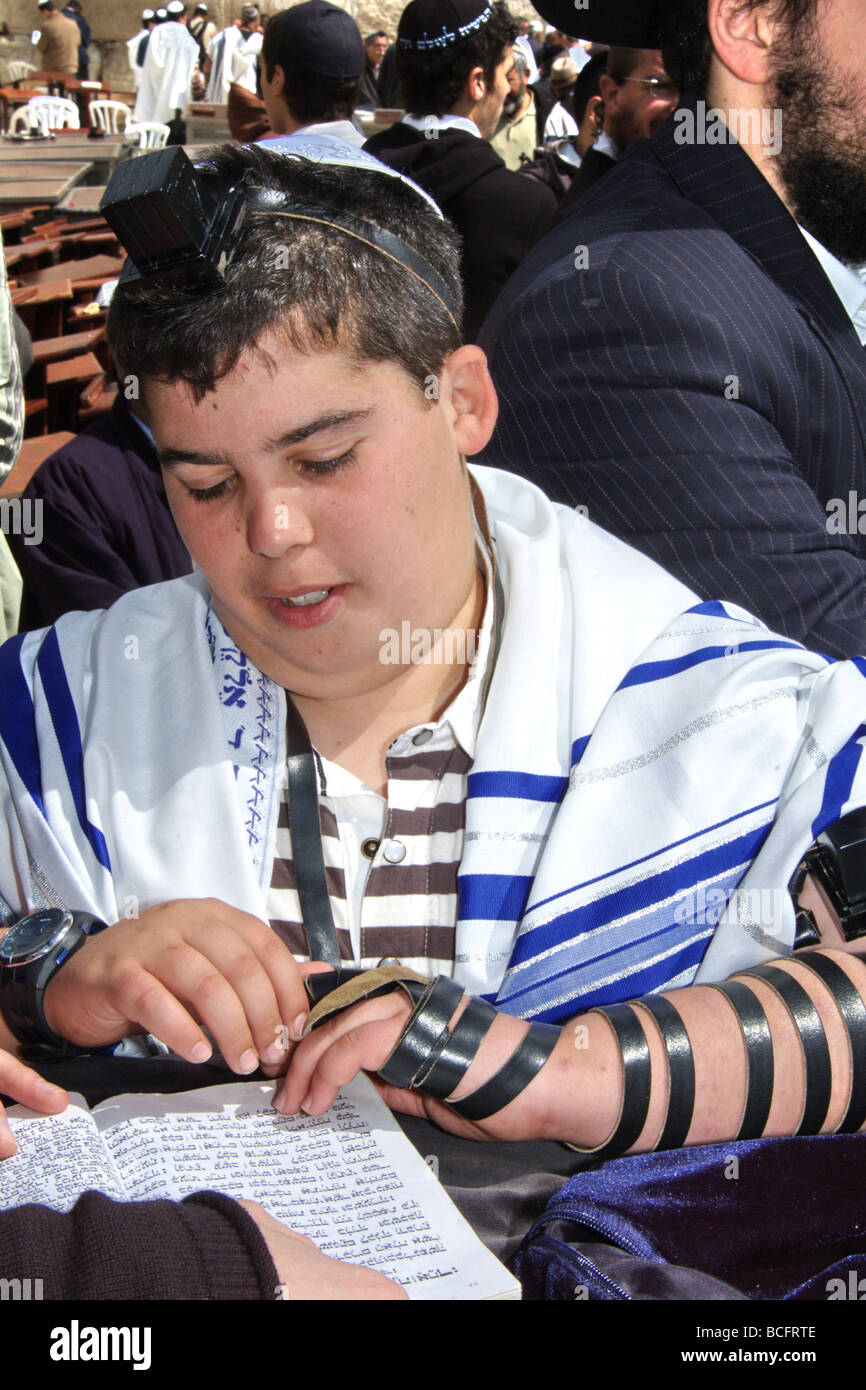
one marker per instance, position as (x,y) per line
(584,1074)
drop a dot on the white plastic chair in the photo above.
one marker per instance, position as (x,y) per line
(150,135)
(19,120)
(110,116)
(17,71)
(53,113)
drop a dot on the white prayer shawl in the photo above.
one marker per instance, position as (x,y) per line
(169,64)
(641,756)
(132,50)
(233,59)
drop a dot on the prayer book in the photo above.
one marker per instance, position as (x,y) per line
(348,1179)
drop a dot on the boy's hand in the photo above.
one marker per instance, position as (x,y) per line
(364,1036)
(184,963)
(25,1086)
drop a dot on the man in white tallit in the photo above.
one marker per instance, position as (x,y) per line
(133,45)
(234,56)
(547,778)
(166,77)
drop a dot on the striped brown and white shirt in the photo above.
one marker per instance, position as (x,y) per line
(391,861)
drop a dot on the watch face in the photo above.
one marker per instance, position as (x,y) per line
(34,936)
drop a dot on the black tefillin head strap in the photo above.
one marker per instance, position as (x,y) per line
(179,222)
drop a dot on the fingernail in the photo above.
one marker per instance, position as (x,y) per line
(279,1098)
(275,1053)
(307,1102)
(201,1052)
(249,1062)
(297,1029)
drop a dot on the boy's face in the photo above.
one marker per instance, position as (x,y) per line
(325,474)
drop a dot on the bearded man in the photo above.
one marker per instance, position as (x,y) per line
(684,355)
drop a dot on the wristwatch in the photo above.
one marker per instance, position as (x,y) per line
(31,953)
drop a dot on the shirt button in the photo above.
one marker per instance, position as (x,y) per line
(423,736)
(368,848)
(394,852)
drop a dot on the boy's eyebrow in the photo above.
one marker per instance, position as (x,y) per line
(168,457)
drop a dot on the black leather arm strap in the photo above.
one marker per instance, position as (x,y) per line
(636,1081)
(851,1007)
(759,1056)
(306,835)
(523,1064)
(448,1066)
(681,1070)
(425,1032)
(426,1054)
(813,1039)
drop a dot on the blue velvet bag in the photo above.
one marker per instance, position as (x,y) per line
(763,1219)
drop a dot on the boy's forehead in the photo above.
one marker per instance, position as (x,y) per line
(282,392)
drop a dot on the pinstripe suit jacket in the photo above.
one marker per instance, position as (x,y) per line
(672,357)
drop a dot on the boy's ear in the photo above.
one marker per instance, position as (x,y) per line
(467,390)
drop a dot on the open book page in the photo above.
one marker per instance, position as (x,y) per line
(59,1157)
(349,1179)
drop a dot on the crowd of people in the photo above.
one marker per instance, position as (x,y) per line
(566,357)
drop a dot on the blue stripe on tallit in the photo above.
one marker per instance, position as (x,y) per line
(633,986)
(650,671)
(711,609)
(68,734)
(839,779)
(492,897)
(527,786)
(638,897)
(633,954)
(18,719)
(658,850)
(578,748)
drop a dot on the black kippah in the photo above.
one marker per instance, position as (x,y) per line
(428,24)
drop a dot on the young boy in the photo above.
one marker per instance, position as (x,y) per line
(543,773)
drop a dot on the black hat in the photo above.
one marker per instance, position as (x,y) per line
(623,23)
(322,38)
(430,24)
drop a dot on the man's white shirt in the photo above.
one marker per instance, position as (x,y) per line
(169,64)
(850,285)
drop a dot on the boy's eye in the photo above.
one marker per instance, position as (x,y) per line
(319,467)
(207,494)
(315,468)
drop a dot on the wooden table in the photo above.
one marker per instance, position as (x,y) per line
(68,145)
(15,192)
(12,172)
(84,199)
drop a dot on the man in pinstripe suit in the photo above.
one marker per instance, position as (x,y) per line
(684,355)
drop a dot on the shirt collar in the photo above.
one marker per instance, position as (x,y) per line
(605,145)
(850,285)
(448,122)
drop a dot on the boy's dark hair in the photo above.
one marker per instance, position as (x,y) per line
(685,37)
(315,286)
(432,81)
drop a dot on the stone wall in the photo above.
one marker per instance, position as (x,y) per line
(112,22)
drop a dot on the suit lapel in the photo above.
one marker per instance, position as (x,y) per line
(724,181)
